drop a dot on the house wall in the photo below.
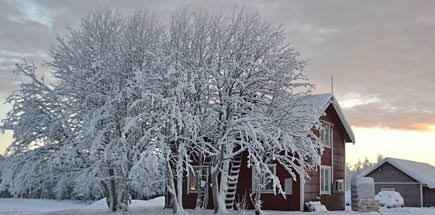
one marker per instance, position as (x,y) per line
(428,197)
(244,189)
(335,201)
(312,186)
(189,199)
(270,201)
(335,157)
(387,176)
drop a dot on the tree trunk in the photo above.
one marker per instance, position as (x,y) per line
(223,185)
(115,191)
(257,195)
(215,191)
(217,203)
(180,179)
(257,203)
(176,207)
(113,200)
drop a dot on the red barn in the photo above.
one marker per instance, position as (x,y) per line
(325,184)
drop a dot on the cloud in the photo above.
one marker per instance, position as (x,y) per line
(354,99)
(312,33)
(381,56)
(30,11)
(310,28)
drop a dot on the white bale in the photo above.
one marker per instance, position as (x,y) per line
(363,194)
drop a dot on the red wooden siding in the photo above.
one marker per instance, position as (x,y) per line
(335,201)
(270,201)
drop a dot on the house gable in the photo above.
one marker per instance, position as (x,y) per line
(421,172)
(388,173)
(347,130)
(320,104)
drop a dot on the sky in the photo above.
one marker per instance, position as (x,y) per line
(381,54)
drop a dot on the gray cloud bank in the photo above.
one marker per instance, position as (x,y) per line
(381,53)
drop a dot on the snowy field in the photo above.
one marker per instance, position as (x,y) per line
(152,207)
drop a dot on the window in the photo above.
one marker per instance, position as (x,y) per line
(288,186)
(325,180)
(266,180)
(339,185)
(197,178)
(326,134)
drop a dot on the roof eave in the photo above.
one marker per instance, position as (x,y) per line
(350,137)
(394,164)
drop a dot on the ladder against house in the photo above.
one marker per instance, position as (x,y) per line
(232,181)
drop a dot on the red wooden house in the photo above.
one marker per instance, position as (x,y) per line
(326,184)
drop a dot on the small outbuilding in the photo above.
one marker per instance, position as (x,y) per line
(415,181)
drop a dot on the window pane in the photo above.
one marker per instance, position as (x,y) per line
(288,186)
(267,181)
(326,134)
(321,179)
(325,179)
(192,185)
(198,177)
(269,185)
(193,180)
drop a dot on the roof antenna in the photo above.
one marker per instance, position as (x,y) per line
(332,84)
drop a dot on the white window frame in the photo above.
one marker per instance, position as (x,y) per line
(188,177)
(325,180)
(254,181)
(327,134)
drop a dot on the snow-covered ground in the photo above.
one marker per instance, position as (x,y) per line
(152,207)
(35,206)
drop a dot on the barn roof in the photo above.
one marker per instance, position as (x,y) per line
(422,172)
(320,102)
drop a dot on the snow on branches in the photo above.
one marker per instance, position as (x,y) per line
(136,101)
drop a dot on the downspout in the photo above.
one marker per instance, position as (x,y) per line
(301,188)
(332,156)
(302,192)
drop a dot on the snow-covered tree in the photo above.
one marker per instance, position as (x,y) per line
(133,99)
(96,67)
(248,81)
(40,129)
(80,121)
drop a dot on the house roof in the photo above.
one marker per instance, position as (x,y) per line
(422,172)
(320,102)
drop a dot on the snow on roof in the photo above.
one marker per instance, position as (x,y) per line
(422,172)
(319,104)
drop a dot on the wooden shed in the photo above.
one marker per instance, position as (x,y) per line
(415,181)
